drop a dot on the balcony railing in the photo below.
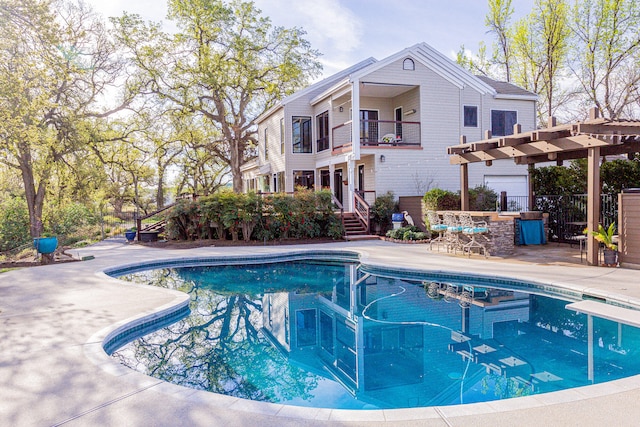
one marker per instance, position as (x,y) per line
(378,133)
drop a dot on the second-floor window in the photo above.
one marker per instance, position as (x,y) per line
(301,134)
(470,116)
(323,131)
(502,122)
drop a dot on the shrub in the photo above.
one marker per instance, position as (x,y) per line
(68,219)
(482,198)
(437,199)
(410,232)
(382,209)
(307,214)
(14,223)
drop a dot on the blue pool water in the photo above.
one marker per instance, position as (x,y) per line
(341,335)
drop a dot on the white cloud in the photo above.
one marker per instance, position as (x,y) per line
(331,27)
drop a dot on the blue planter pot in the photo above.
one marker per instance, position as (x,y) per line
(397,217)
(130,235)
(45,245)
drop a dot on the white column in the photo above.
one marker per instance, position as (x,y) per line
(332,184)
(355,120)
(351,178)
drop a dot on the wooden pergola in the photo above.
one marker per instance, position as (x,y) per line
(591,139)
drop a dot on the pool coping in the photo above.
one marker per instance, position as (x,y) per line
(94,351)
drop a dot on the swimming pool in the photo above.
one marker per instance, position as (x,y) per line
(344,335)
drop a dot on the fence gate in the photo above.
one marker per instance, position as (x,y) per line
(629,228)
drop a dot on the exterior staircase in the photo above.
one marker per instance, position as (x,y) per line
(354,229)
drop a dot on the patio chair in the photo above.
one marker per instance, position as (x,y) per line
(436,226)
(473,228)
(454,229)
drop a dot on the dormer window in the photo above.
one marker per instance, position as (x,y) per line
(408,64)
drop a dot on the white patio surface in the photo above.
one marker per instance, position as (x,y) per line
(52,371)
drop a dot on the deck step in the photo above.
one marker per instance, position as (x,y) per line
(352,226)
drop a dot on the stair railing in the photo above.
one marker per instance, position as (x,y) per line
(362,210)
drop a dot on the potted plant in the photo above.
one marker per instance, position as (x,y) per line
(605,236)
(130,234)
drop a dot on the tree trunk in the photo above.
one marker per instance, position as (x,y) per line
(160,189)
(235,163)
(35,198)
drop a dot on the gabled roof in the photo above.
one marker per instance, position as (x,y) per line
(508,90)
(427,56)
(319,86)
(436,62)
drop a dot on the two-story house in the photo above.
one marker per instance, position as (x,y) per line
(384,125)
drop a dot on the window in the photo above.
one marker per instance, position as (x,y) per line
(306,329)
(266,144)
(303,179)
(408,64)
(502,122)
(325,179)
(323,131)
(278,182)
(301,134)
(326,332)
(282,136)
(470,116)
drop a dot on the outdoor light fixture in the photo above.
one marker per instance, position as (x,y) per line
(382,158)
(341,109)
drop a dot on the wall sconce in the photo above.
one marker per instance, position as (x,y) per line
(382,158)
(341,109)
(408,112)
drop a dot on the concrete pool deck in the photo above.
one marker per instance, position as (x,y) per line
(52,319)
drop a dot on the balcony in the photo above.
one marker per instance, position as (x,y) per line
(377,134)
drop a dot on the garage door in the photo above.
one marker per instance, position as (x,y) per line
(514,185)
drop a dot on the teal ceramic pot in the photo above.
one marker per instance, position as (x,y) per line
(45,245)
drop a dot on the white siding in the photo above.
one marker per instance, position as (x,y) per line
(407,171)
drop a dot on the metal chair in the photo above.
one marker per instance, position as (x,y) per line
(454,229)
(436,226)
(473,228)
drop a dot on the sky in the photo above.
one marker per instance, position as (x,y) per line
(349,31)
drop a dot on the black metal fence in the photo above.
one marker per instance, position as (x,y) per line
(114,223)
(568,214)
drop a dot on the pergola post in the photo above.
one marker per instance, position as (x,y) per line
(464,187)
(464,181)
(530,195)
(593,202)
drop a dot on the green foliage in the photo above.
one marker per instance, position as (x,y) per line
(605,236)
(560,180)
(382,209)
(482,198)
(619,174)
(410,232)
(231,57)
(14,223)
(69,218)
(306,214)
(437,199)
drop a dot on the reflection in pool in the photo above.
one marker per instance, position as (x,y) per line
(331,334)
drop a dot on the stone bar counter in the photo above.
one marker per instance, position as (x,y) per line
(502,232)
